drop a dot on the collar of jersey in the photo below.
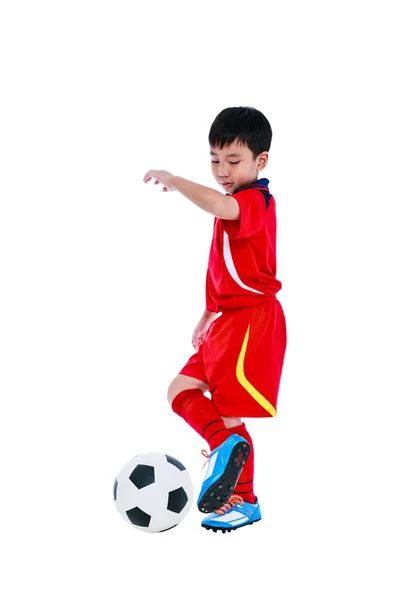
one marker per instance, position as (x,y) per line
(259,183)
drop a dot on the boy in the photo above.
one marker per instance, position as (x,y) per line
(240,340)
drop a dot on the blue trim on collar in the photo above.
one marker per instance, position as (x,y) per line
(259,183)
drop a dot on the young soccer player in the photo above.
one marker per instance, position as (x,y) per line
(240,340)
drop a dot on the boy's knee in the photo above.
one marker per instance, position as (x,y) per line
(171,393)
(183,382)
(231,422)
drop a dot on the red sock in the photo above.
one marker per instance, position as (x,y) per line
(244,486)
(200,413)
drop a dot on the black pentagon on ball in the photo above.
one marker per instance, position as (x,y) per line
(177,500)
(138,517)
(142,475)
(115,489)
(175,462)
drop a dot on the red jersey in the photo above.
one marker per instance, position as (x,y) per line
(242,262)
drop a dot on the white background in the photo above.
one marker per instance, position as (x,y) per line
(102,283)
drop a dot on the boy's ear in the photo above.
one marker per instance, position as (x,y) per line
(262,160)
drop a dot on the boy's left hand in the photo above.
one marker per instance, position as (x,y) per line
(160,177)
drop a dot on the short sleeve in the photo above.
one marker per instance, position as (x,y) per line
(253,205)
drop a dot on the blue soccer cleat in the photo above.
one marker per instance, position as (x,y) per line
(225,464)
(233,514)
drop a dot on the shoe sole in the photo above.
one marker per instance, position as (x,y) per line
(220,491)
(225,529)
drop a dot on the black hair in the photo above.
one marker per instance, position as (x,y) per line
(245,124)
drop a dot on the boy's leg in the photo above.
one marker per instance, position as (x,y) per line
(242,508)
(189,402)
(229,452)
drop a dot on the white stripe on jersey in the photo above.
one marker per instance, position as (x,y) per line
(231,267)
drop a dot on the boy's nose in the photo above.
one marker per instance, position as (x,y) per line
(222,171)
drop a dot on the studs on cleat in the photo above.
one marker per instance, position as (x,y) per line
(216,529)
(221,490)
(228,529)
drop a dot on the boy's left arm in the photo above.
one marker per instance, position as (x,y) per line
(212,201)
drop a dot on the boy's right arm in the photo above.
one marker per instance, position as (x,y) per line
(208,315)
(202,327)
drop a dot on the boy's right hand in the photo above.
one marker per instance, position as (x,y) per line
(200,332)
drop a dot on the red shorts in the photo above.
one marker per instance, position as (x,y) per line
(241,359)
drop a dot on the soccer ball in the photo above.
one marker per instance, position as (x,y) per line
(153,492)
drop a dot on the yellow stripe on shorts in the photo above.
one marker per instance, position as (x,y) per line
(246,384)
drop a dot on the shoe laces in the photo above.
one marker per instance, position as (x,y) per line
(234,499)
(206,455)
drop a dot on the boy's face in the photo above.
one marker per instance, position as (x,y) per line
(234,166)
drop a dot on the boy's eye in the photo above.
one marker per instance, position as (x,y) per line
(230,162)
